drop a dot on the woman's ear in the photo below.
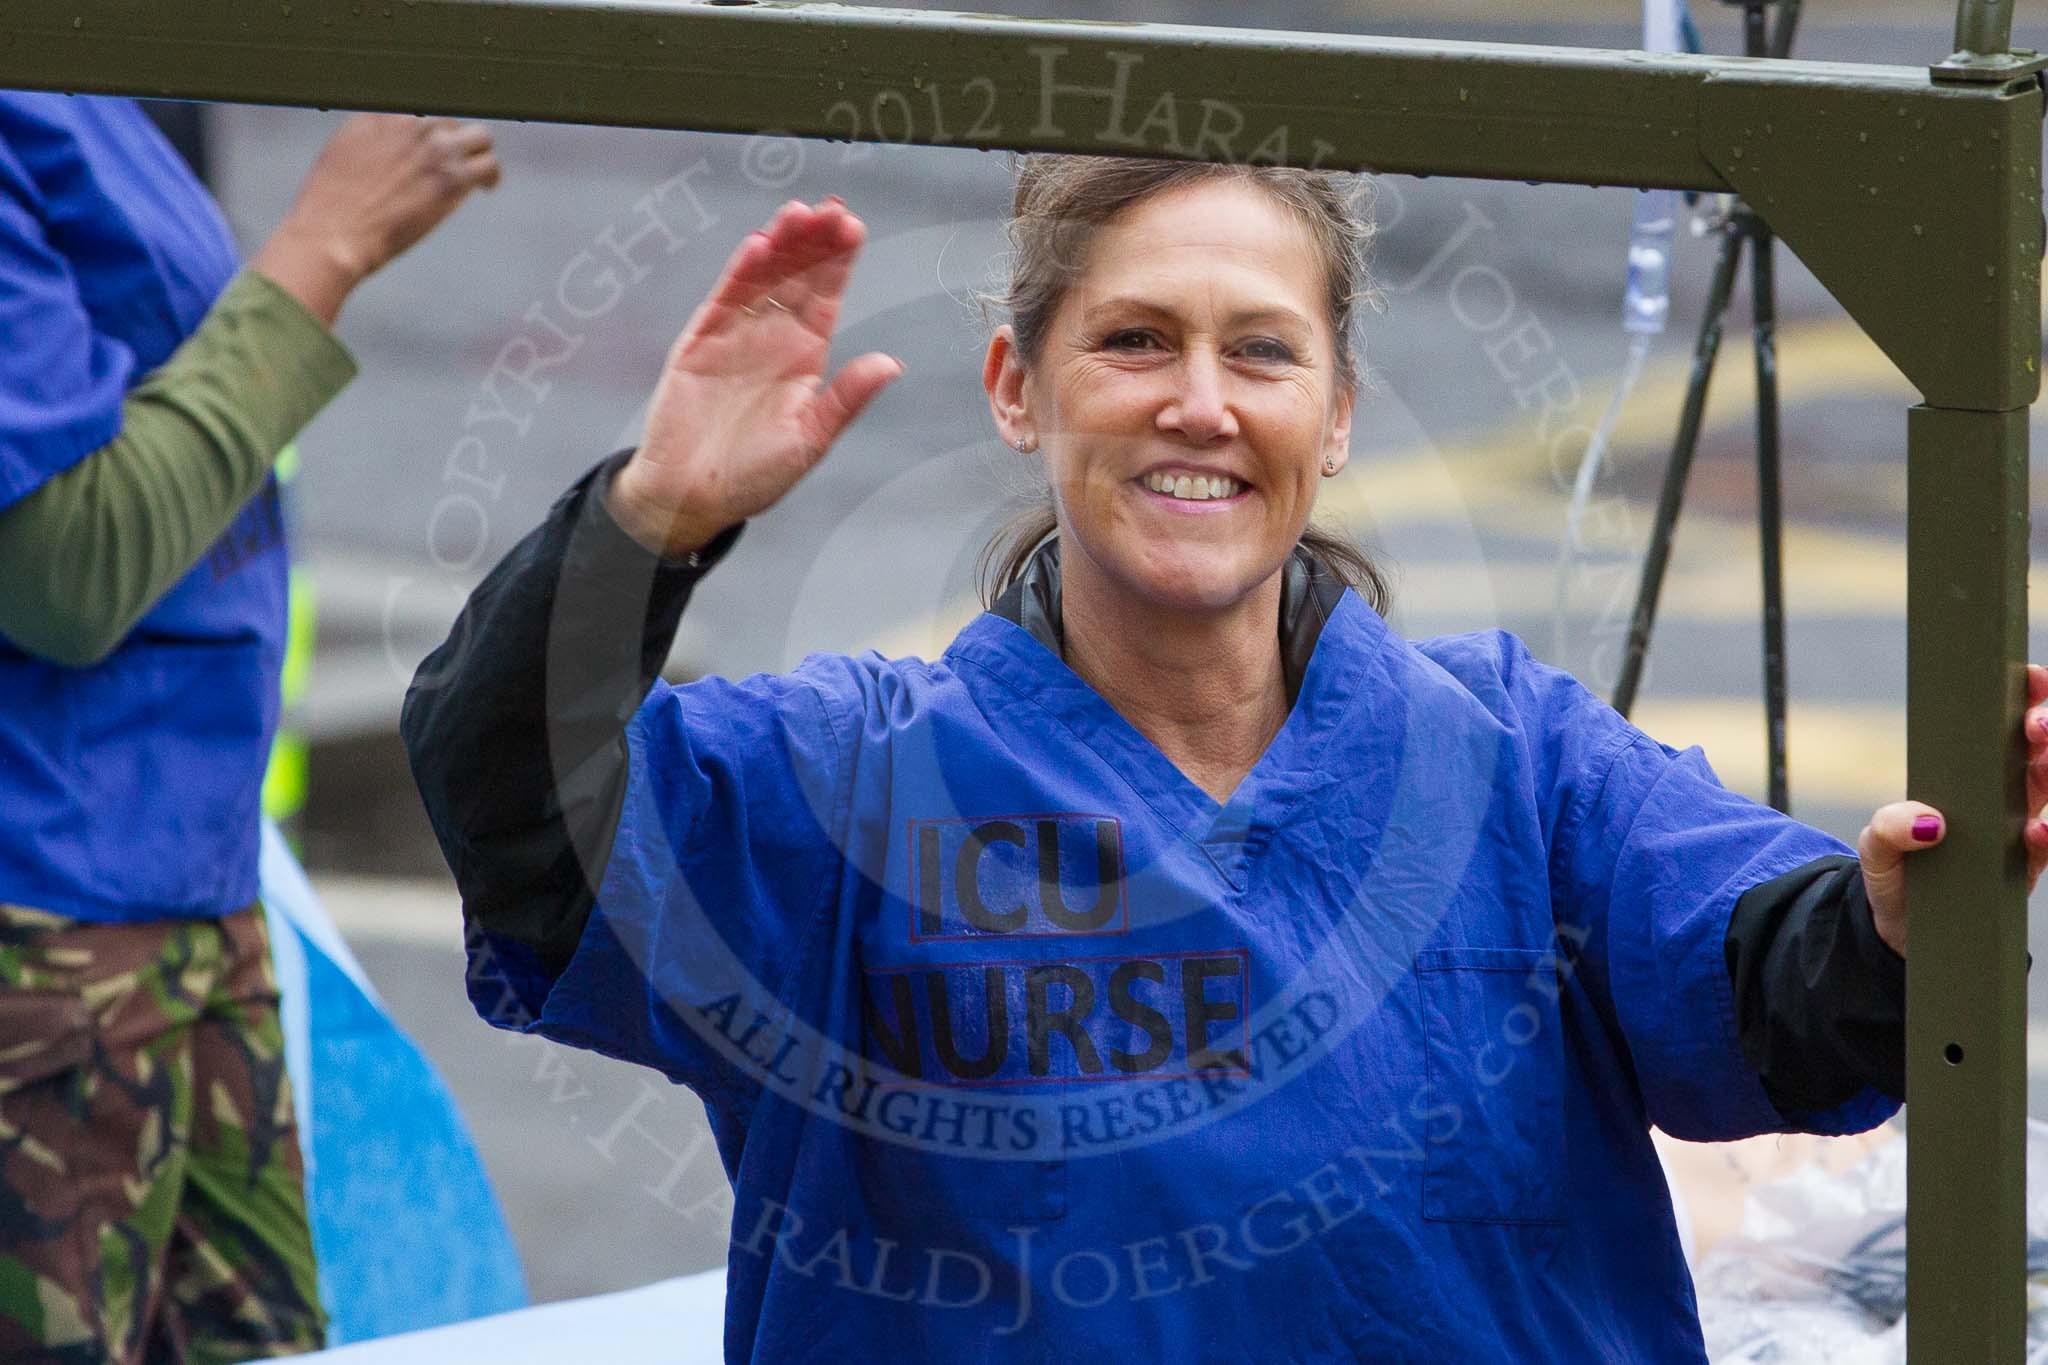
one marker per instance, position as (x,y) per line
(1003,375)
(1337,445)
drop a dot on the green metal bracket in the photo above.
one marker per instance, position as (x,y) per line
(1921,215)
(1913,194)
(1984,50)
(2002,68)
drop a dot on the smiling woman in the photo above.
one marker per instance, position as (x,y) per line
(1183,959)
(1062,206)
(1182,352)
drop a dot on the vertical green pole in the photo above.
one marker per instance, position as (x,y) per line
(1984,26)
(1966,966)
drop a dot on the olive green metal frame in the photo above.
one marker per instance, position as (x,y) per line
(1912,193)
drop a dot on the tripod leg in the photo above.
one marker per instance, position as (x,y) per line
(1658,556)
(1788,20)
(1756,40)
(1763,291)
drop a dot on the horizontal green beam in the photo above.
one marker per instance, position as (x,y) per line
(1852,147)
(819,70)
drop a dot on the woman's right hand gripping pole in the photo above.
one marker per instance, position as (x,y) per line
(742,410)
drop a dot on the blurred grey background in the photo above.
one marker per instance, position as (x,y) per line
(497,364)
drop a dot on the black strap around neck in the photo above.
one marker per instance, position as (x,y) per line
(1309,592)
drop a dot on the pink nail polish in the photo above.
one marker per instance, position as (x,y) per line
(1925,827)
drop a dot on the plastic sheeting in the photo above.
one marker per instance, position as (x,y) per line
(1816,1275)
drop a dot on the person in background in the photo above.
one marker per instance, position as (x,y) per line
(151,1193)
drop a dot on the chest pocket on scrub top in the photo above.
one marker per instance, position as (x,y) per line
(1494,1048)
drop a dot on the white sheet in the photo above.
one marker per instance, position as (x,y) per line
(673,1322)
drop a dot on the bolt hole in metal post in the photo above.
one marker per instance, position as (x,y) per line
(1953,1054)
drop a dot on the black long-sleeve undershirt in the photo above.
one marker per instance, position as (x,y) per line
(1820,998)
(515,727)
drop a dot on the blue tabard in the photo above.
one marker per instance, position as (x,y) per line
(130,789)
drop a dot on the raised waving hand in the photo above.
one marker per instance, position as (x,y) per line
(382,182)
(743,409)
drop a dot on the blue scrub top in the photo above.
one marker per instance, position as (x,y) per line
(1018,1046)
(130,788)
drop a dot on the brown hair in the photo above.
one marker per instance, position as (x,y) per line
(1064,200)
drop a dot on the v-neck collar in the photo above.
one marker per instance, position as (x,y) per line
(1341,643)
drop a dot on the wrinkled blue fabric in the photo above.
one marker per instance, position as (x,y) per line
(1018,1046)
(131,788)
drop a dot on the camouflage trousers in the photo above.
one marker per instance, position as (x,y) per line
(152,1203)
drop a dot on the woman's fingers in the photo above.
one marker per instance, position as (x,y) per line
(815,293)
(1895,830)
(2034,727)
(468,138)
(799,238)
(730,291)
(482,170)
(833,408)
(1905,826)
(801,259)
(2035,724)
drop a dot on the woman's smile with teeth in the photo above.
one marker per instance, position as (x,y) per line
(1193,487)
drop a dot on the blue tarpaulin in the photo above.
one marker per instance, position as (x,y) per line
(407,1230)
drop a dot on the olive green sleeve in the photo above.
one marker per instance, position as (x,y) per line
(87,554)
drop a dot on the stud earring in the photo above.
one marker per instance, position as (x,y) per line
(1329,468)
